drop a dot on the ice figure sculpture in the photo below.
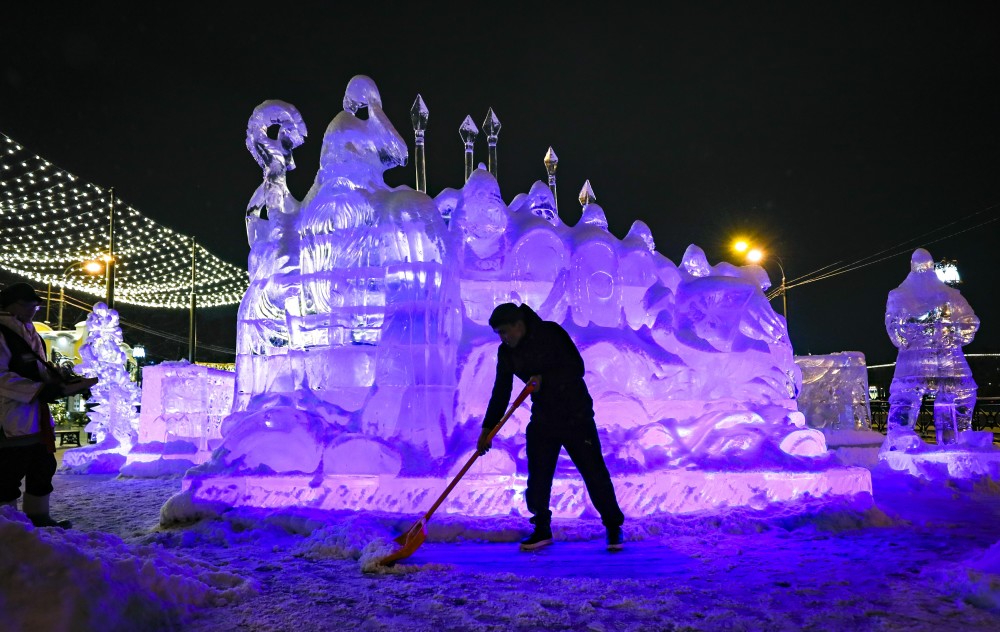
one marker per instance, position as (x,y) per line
(114,418)
(262,342)
(375,319)
(392,357)
(929,322)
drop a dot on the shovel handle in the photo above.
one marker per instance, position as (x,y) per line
(527,390)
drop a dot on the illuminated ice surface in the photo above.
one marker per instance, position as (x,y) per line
(834,393)
(114,418)
(183,406)
(834,399)
(365,358)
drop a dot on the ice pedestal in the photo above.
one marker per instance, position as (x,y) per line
(639,495)
(947,463)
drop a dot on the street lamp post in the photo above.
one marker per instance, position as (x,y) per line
(91,267)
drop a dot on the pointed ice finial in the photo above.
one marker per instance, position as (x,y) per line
(468,131)
(492,127)
(492,124)
(587,194)
(551,161)
(419,114)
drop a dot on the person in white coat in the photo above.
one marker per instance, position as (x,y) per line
(28,382)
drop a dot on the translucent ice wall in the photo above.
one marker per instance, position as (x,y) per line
(929,322)
(184,402)
(834,392)
(373,354)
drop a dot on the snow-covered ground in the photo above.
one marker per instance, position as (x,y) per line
(925,557)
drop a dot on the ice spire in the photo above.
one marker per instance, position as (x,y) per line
(586,194)
(551,162)
(492,127)
(468,131)
(418,116)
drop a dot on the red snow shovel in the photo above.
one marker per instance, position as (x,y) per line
(417,534)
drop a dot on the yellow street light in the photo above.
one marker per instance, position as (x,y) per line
(90,267)
(757,256)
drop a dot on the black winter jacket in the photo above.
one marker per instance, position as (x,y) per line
(548,351)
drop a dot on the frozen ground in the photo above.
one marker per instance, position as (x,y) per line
(926,557)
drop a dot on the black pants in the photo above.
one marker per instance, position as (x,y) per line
(584,448)
(32,463)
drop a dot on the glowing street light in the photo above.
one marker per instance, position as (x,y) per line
(947,272)
(756,256)
(90,267)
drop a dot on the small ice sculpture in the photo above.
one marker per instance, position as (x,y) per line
(114,418)
(184,402)
(834,394)
(929,322)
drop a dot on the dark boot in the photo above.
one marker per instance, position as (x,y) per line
(37,510)
(541,537)
(616,541)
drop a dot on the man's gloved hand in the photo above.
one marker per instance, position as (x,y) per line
(58,390)
(485,441)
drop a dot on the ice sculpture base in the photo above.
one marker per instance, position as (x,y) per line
(944,464)
(674,492)
(854,447)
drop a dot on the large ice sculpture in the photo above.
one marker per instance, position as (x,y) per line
(929,322)
(391,358)
(114,417)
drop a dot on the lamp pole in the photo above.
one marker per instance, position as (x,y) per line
(110,263)
(784,291)
(192,332)
(94,269)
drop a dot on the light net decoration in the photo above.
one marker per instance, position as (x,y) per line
(51,223)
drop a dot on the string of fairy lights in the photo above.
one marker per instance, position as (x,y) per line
(52,224)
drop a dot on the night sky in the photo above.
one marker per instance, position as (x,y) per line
(837,133)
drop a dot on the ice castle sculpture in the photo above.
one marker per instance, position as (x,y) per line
(115,399)
(929,322)
(365,361)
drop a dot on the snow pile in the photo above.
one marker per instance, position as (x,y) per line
(59,580)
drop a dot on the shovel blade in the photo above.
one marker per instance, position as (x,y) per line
(409,542)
